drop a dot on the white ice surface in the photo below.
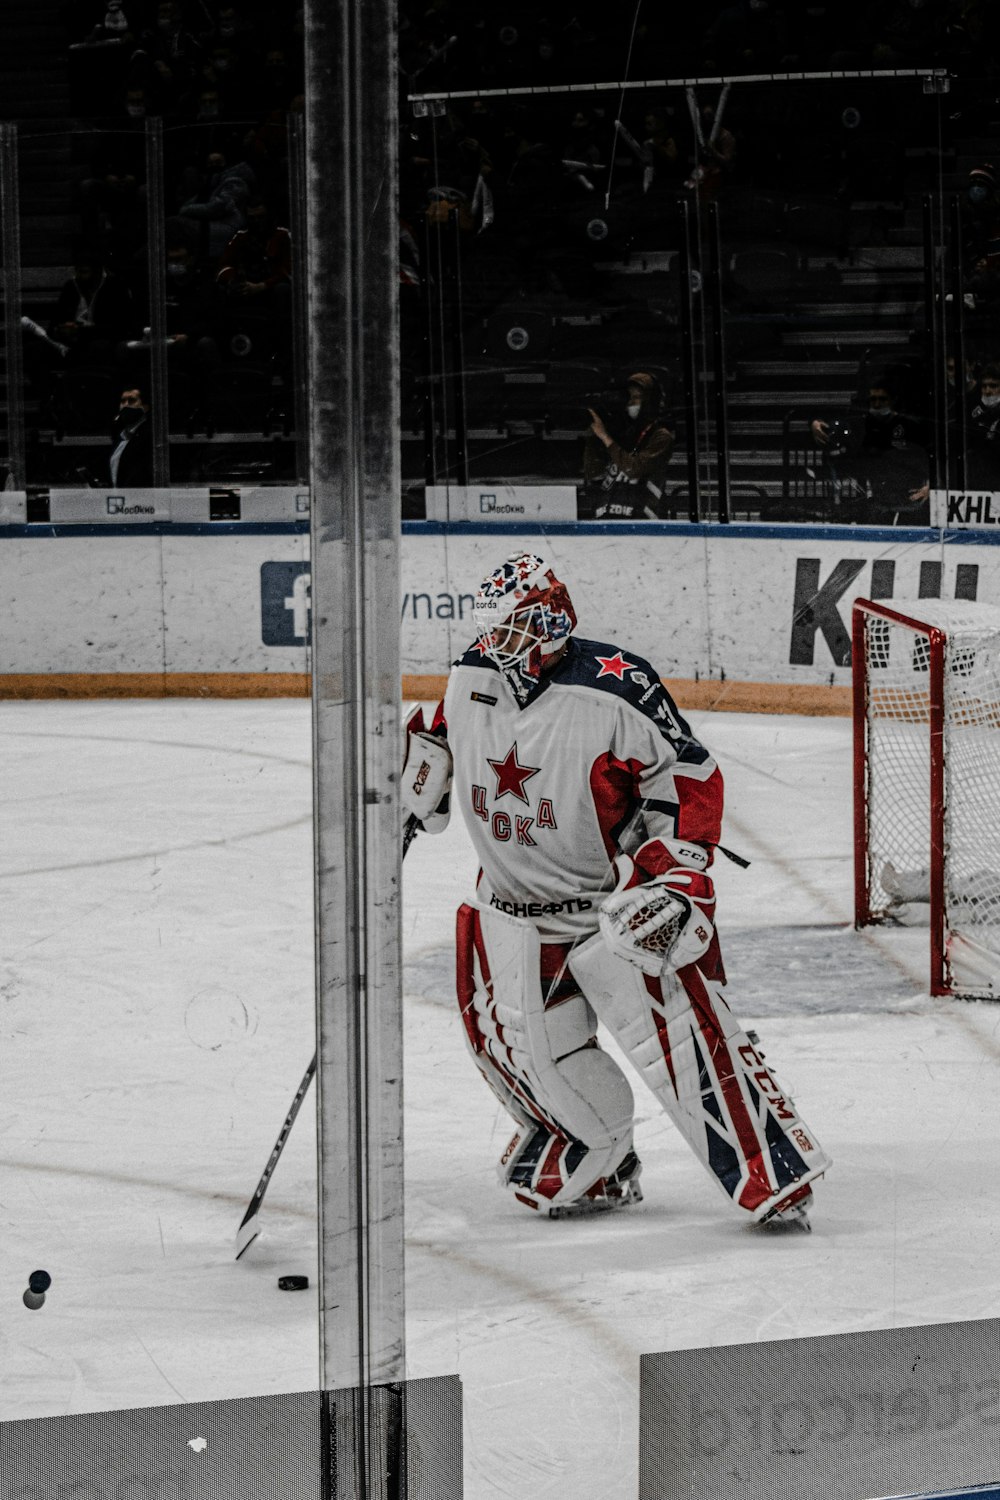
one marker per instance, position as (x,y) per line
(156,1017)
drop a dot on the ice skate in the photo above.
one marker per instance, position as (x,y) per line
(791,1213)
(617,1191)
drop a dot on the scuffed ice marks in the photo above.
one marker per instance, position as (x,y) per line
(811,970)
(431,975)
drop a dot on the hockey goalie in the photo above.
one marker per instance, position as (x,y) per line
(595,814)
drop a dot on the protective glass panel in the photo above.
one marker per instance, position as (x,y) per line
(541,251)
(546,1318)
(160,880)
(267,1448)
(222,277)
(881,1412)
(829,347)
(970,318)
(12,451)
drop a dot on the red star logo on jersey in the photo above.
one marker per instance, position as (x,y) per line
(511,775)
(614,666)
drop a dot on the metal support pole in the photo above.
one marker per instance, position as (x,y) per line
(10,246)
(958,437)
(156,256)
(432,362)
(689,364)
(352,242)
(935,329)
(719,352)
(300,301)
(458,359)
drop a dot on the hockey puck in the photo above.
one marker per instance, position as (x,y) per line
(39,1281)
(293,1283)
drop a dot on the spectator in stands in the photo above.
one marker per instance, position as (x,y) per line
(624,474)
(281,78)
(256,279)
(112,200)
(159,82)
(983,433)
(582,140)
(971,382)
(192,310)
(136,104)
(878,466)
(169,39)
(92,313)
(130,461)
(661,143)
(258,259)
(220,207)
(982,240)
(959,402)
(112,30)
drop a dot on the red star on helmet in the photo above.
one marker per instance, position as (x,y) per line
(511,775)
(614,666)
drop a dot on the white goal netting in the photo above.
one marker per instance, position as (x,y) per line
(900,805)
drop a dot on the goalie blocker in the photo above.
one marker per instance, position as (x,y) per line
(530,1013)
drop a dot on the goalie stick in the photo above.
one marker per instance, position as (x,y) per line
(249,1228)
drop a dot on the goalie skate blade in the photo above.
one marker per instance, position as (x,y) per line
(792,1215)
(585,1206)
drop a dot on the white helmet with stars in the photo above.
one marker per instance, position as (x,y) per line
(523,615)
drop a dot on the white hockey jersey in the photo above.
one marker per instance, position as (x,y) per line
(549,792)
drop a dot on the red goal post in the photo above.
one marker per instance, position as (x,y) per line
(927,780)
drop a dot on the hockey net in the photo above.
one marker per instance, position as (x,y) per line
(927,779)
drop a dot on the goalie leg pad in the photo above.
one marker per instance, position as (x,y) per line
(710,1078)
(543,1064)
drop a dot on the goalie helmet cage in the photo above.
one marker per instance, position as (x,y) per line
(927,779)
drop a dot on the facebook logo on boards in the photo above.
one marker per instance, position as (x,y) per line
(284,603)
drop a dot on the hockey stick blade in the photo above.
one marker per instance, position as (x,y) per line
(249,1229)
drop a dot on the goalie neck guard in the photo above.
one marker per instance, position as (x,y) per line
(523,616)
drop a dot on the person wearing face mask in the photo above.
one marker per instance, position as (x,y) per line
(884,426)
(983,433)
(624,472)
(130,462)
(878,465)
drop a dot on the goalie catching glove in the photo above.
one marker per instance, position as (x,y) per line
(663,922)
(426,780)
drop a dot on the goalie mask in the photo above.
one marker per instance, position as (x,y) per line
(523,615)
